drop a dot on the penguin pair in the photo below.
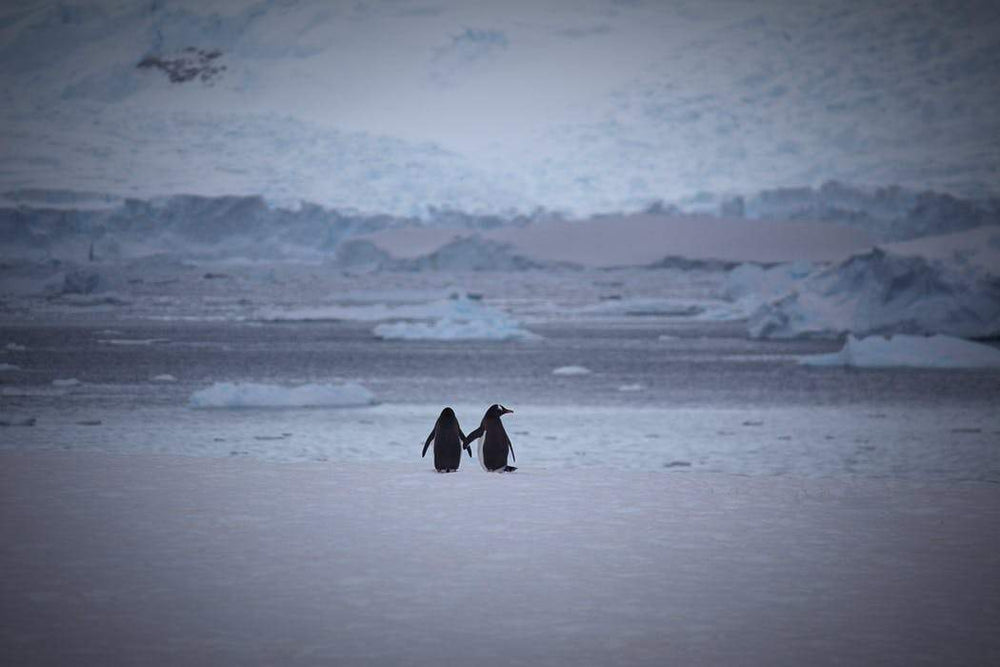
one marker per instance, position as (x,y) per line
(492,448)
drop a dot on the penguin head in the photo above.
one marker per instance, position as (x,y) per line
(496,411)
(447,415)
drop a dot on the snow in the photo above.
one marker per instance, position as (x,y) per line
(165,377)
(571,370)
(66,382)
(913,351)
(251,395)
(676,102)
(159,559)
(882,292)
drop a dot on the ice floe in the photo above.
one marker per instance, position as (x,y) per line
(251,395)
(905,350)
(499,327)
(571,370)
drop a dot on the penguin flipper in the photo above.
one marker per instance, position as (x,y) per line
(472,436)
(427,443)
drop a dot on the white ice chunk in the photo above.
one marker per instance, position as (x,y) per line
(250,395)
(631,387)
(571,370)
(495,328)
(9,367)
(903,350)
(67,382)
(165,377)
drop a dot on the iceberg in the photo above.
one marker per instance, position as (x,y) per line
(250,395)
(879,292)
(913,351)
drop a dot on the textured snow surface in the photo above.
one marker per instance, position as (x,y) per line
(902,350)
(879,292)
(160,560)
(250,395)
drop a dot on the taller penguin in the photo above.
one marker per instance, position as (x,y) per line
(494,444)
(448,442)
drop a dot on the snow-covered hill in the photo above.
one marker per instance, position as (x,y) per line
(482,107)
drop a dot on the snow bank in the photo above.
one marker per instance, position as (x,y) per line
(249,395)
(571,370)
(914,351)
(879,292)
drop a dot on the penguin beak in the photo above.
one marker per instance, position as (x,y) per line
(505,411)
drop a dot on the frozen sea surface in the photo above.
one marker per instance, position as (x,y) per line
(706,399)
(166,560)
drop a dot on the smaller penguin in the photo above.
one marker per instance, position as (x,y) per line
(448,442)
(494,443)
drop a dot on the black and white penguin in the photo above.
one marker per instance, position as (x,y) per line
(448,442)
(494,443)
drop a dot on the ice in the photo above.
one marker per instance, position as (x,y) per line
(66,382)
(914,351)
(15,347)
(9,367)
(644,307)
(132,341)
(500,327)
(882,292)
(631,387)
(457,307)
(250,395)
(236,561)
(165,377)
(571,370)
(723,102)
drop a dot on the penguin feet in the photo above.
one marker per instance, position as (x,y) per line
(442,470)
(508,469)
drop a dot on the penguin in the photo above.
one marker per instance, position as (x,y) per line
(448,442)
(494,443)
